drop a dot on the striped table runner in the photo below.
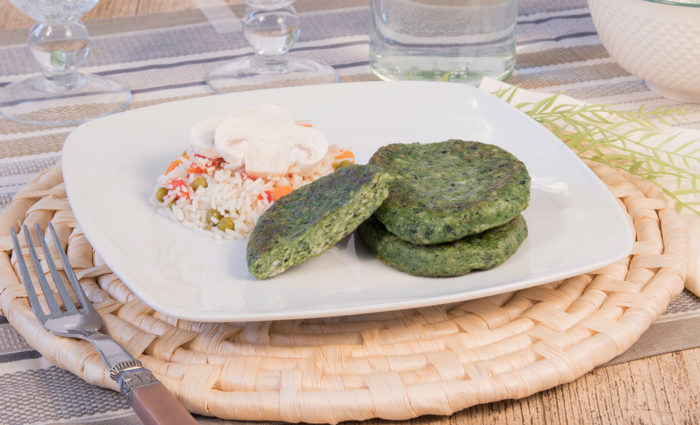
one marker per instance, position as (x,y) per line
(165,57)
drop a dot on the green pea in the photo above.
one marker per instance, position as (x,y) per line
(225,223)
(214,216)
(161,193)
(199,182)
(341,164)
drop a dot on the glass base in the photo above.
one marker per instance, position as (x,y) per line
(467,69)
(243,74)
(68,100)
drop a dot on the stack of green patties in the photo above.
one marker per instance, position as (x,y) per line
(440,209)
(453,207)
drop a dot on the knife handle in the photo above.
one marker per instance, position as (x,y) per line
(155,405)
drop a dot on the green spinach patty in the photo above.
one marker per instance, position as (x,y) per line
(314,217)
(445,191)
(481,251)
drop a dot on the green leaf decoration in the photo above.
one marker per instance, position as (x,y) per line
(630,141)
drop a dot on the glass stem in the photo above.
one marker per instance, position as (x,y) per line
(59,48)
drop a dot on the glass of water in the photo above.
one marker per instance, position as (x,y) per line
(442,40)
(60,95)
(271,27)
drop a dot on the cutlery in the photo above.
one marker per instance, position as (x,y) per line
(149,398)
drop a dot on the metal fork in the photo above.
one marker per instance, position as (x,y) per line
(151,401)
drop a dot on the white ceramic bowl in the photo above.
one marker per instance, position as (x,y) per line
(658,41)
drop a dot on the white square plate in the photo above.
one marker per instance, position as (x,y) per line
(110,166)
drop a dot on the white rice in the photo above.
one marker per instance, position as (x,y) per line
(230,191)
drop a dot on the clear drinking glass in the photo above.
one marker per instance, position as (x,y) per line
(60,95)
(442,40)
(271,27)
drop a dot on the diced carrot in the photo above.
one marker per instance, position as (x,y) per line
(281,191)
(304,124)
(268,196)
(345,155)
(181,187)
(173,165)
(209,163)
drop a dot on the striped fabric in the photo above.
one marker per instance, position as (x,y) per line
(165,57)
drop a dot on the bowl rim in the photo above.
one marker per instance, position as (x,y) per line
(674,3)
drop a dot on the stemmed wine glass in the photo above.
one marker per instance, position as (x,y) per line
(60,95)
(271,27)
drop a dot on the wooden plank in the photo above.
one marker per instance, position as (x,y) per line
(111,9)
(691,362)
(663,389)
(11,18)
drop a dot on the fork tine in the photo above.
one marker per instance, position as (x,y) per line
(62,291)
(26,279)
(84,302)
(48,294)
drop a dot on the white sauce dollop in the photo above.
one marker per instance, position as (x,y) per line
(264,139)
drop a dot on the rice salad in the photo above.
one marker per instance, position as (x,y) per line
(240,164)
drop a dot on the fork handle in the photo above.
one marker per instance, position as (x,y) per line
(155,405)
(151,401)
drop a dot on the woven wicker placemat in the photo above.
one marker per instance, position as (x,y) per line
(393,365)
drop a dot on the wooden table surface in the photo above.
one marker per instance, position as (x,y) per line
(663,389)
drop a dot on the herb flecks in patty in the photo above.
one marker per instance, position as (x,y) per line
(481,251)
(315,217)
(445,191)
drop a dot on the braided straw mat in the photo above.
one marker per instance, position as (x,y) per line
(393,365)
